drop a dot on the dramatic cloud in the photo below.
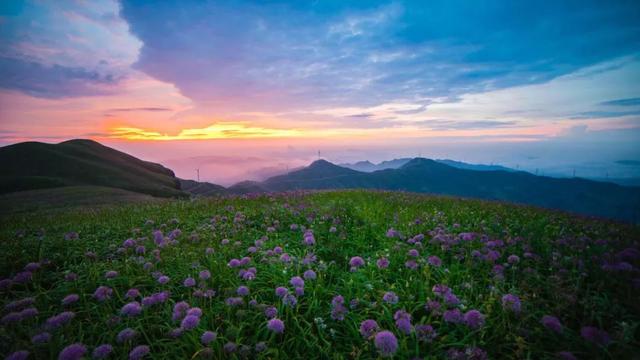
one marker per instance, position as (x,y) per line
(278,55)
(53,81)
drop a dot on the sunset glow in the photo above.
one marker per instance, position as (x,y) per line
(373,80)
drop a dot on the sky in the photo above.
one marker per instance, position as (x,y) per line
(247,89)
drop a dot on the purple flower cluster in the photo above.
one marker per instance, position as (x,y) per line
(356,262)
(552,323)
(102,352)
(59,320)
(368,328)
(131,309)
(73,352)
(276,325)
(512,303)
(103,293)
(390,297)
(386,343)
(338,310)
(155,299)
(126,335)
(403,321)
(207,337)
(309,239)
(474,319)
(139,352)
(382,263)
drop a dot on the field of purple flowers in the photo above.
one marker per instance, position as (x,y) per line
(345,274)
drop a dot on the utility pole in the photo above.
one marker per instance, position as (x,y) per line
(198,172)
(318,154)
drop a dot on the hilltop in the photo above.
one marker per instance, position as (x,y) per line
(35,165)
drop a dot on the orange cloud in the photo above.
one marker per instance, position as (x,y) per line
(221,130)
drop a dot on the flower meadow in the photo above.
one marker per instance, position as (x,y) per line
(336,274)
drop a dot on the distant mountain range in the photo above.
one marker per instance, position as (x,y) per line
(31,165)
(367,166)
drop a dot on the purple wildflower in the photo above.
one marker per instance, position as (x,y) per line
(132,294)
(413,253)
(190,322)
(73,352)
(309,275)
(102,352)
(204,275)
(139,352)
(163,279)
(131,309)
(434,261)
(19,304)
(356,262)
(281,291)
(242,291)
(41,338)
(111,274)
(474,319)
(207,337)
(179,310)
(368,328)
(386,343)
(595,335)
(195,311)
(552,323)
(513,259)
(390,297)
(102,293)
(451,299)
(290,300)
(411,264)
(296,281)
(453,316)
(22,277)
(511,302)
(189,282)
(425,333)
(275,325)
(270,312)
(59,320)
(285,258)
(234,301)
(382,263)
(126,335)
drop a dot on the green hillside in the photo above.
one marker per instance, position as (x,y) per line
(34,165)
(428,176)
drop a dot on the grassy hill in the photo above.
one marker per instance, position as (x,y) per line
(429,176)
(34,165)
(439,277)
(201,188)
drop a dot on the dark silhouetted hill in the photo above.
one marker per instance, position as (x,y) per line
(35,165)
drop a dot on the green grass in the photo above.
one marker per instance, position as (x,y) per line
(564,278)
